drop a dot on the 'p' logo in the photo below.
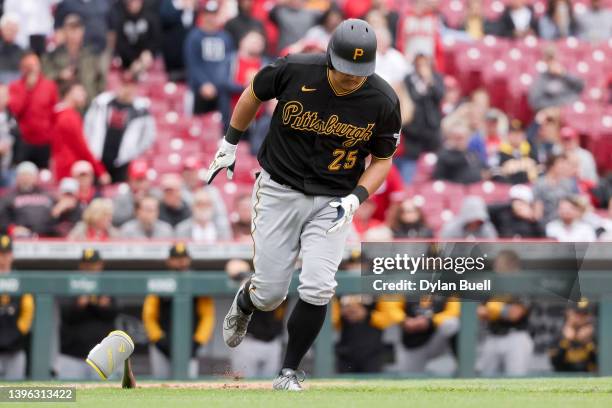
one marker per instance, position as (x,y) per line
(358,53)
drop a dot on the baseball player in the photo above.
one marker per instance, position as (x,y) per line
(16,316)
(332,113)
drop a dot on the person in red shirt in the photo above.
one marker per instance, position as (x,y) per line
(32,98)
(68,144)
(390,191)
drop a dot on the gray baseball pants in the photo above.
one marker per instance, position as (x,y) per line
(285,222)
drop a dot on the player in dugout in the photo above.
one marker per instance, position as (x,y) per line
(361,320)
(507,346)
(16,315)
(428,330)
(157,316)
(84,321)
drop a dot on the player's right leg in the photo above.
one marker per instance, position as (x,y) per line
(278,214)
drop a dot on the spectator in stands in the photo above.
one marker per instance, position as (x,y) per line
(72,61)
(543,133)
(246,62)
(475,24)
(138,34)
(517,219)
(455,162)
(518,20)
(173,209)
(96,224)
(576,348)
(9,135)
(68,144)
(408,221)
(596,23)
(361,321)
(551,187)
(426,89)
(95,15)
(200,227)
(391,191)
(67,210)
(472,221)
(139,186)
(385,13)
(32,98)
(569,226)
(176,18)
(554,87)
(25,211)
(495,130)
(419,33)
(10,51)
(83,172)
(84,321)
(241,225)
(558,21)
(363,220)
(427,330)
(38,22)
(119,127)
(320,34)
(293,20)
(259,354)
(147,224)
(391,64)
(515,157)
(570,143)
(207,51)
(507,346)
(157,318)
(16,316)
(244,22)
(453,97)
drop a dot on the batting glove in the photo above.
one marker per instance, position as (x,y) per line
(225,158)
(346,207)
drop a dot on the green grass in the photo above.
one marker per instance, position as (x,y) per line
(494,393)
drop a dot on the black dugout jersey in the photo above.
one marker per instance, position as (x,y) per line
(319,137)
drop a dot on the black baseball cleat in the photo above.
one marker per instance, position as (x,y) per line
(236,322)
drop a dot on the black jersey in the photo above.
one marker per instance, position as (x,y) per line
(319,137)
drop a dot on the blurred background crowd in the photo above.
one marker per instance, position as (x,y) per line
(110,111)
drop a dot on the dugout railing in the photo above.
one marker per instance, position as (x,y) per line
(182,287)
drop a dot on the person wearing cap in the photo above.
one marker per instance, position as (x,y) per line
(333,113)
(96,18)
(16,316)
(137,32)
(172,208)
(569,225)
(507,347)
(471,222)
(73,61)
(146,224)
(517,218)
(570,143)
(207,51)
(67,210)
(139,185)
(157,316)
(68,144)
(119,127)
(32,99)
(25,211)
(9,135)
(517,161)
(575,350)
(84,320)
(83,172)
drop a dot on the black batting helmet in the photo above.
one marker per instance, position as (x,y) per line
(352,48)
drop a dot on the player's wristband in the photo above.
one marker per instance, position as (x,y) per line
(233,135)
(361,192)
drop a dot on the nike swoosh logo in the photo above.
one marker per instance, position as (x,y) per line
(304,89)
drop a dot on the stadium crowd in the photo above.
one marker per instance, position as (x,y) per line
(111,109)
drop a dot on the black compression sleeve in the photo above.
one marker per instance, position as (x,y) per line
(233,135)
(362,193)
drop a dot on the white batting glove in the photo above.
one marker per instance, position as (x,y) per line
(225,158)
(346,207)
